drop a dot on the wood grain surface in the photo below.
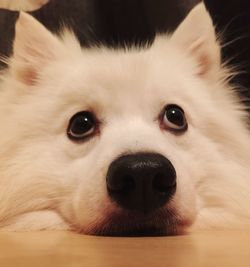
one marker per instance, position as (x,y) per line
(50,249)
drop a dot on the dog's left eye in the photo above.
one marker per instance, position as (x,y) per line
(81,126)
(174,118)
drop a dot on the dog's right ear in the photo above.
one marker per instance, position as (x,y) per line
(34,47)
(196,36)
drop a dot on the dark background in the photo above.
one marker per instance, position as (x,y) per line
(232,18)
(111,22)
(119,22)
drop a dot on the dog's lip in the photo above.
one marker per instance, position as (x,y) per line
(109,231)
(131,224)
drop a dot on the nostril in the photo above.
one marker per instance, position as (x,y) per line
(159,184)
(162,184)
(122,185)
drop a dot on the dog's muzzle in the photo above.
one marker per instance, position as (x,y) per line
(141,182)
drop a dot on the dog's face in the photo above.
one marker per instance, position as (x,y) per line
(116,142)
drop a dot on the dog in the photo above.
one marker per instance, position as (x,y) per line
(122,142)
(27,5)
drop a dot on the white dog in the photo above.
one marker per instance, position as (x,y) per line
(122,142)
(27,5)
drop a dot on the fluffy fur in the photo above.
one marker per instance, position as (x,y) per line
(26,5)
(49,182)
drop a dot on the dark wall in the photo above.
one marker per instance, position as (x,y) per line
(111,22)
(233,18)
(7,24)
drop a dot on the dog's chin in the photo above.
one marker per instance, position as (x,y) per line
(134,224)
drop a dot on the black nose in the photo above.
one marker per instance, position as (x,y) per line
(142,182)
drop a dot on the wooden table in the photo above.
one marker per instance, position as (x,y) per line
(50,249)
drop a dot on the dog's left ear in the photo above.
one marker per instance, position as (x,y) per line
(197,36)
(34,48)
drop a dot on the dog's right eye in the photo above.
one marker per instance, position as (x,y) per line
(174,119)
(81,126)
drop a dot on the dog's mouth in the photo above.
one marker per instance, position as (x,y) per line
(124,231)
(134,224)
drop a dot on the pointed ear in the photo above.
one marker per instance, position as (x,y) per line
(197,36)
(34,47)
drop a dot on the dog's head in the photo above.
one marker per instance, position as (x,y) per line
(118,142)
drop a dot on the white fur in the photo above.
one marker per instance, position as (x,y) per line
(44,174)
(27,5)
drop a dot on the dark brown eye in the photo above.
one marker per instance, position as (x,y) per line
(81,126)
(174,118)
